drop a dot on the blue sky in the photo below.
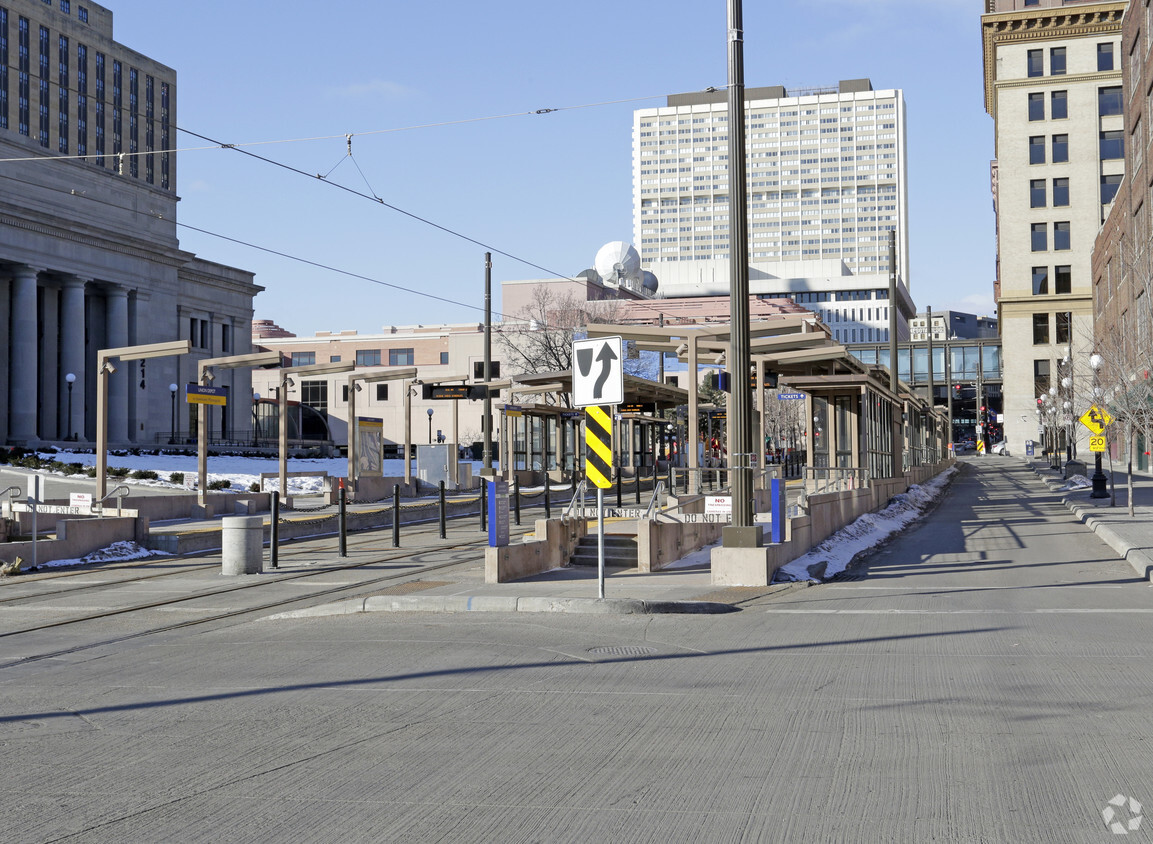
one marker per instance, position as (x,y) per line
(551,188)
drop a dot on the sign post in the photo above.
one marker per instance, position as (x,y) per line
(598,383)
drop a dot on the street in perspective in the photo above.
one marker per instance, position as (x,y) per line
(982,676)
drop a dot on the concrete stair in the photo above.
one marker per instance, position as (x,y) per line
(620,551)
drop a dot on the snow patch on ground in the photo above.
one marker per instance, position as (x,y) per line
(114,553)
(837,552)
(1075,482)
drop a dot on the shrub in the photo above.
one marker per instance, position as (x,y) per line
(118,471)
(176,478)
(90,471)
(224,484)
(254,486)
(145,475)
(74,469)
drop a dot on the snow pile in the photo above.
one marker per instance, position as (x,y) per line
(837,552)
(1075,482)
(114,553)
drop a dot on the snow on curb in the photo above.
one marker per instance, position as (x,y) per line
(837,552)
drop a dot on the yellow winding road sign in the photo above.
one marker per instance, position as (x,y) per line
(1095,419)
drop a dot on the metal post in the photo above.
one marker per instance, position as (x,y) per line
(484,505)
(672,481)
(516,497)
(637,481)
(274,532)
(443,526)
(600,543)
(487,456)
(894,377)
(619,487)
(343,520)
(396,514)
(547,492)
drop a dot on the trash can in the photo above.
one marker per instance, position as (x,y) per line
(242,545)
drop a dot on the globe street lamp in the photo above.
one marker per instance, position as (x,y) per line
(1098,479)
(430,426)
(71,379)
(172,388)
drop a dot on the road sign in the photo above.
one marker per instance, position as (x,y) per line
(599,447)
(206,395)
(598,372)
(1095,419)
(1097,443)
(790,396)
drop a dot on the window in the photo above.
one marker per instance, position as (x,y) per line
(1062,280)
(1105,56)
(344,393)
(1060,192)
(1037,193)
(400,357)
(1109,100)
(1036,63)
(226,338)
(1036,106)
(444,358)
(1063,326)
(1109,185)
(334,358)
(1041,377)
(382,392)
(1059,105)
(1040,281)
(303,358)
(368,357)
(1057,61)
(1060,148)
(1040,329)
(1040,236)
(1112,144)
(1061,236)
(1037,149)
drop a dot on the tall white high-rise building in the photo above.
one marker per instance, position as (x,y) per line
(826,177)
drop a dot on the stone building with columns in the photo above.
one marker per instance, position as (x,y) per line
(89,254)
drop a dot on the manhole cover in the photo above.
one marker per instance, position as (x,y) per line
(623,650)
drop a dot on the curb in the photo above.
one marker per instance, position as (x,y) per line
(502,603)
(1137,557)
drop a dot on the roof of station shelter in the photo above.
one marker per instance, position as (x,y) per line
(637,390)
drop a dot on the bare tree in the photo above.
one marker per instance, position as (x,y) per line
(539,338)
(1124,331)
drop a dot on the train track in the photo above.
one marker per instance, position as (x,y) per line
(326,594)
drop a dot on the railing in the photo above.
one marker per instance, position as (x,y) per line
(118,493)
(578,496)
(653,501)
(239,439)
(820,479)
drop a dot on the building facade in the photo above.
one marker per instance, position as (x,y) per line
(89,257)
(1053,88)
(826,177)
(952,325)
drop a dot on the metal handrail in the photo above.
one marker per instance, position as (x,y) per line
(578,495)
(653,501)
(118,493)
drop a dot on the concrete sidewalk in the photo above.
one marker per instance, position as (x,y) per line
(1130,537)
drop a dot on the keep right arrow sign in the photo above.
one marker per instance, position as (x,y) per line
(597,372)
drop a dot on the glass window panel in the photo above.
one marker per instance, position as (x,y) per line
(1059,105)
(1040,281)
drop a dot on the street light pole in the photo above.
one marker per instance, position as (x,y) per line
(1098,479)
(430,426)
(71,379)
(172,388)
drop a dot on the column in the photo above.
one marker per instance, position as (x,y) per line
(117,333)
(5,310)
(72,356)
(50,375)
(23,360)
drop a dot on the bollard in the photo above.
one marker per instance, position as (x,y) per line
(241,544)
(342,542)
(619,488)
(516,497)
(637,480)
(443,527)
(672,481)
(547,503)
(396,515)
(484,506)
(274,532)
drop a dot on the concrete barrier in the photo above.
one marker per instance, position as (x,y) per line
(76,538)
(242,549)
(555,542)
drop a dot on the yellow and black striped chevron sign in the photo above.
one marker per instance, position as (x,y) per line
(599,446)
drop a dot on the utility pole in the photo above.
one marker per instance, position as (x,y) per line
(743,533)
(487,468)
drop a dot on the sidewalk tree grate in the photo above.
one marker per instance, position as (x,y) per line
(622,650)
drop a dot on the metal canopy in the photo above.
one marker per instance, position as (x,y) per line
(637,389)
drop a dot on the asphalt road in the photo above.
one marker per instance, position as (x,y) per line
(987,680)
